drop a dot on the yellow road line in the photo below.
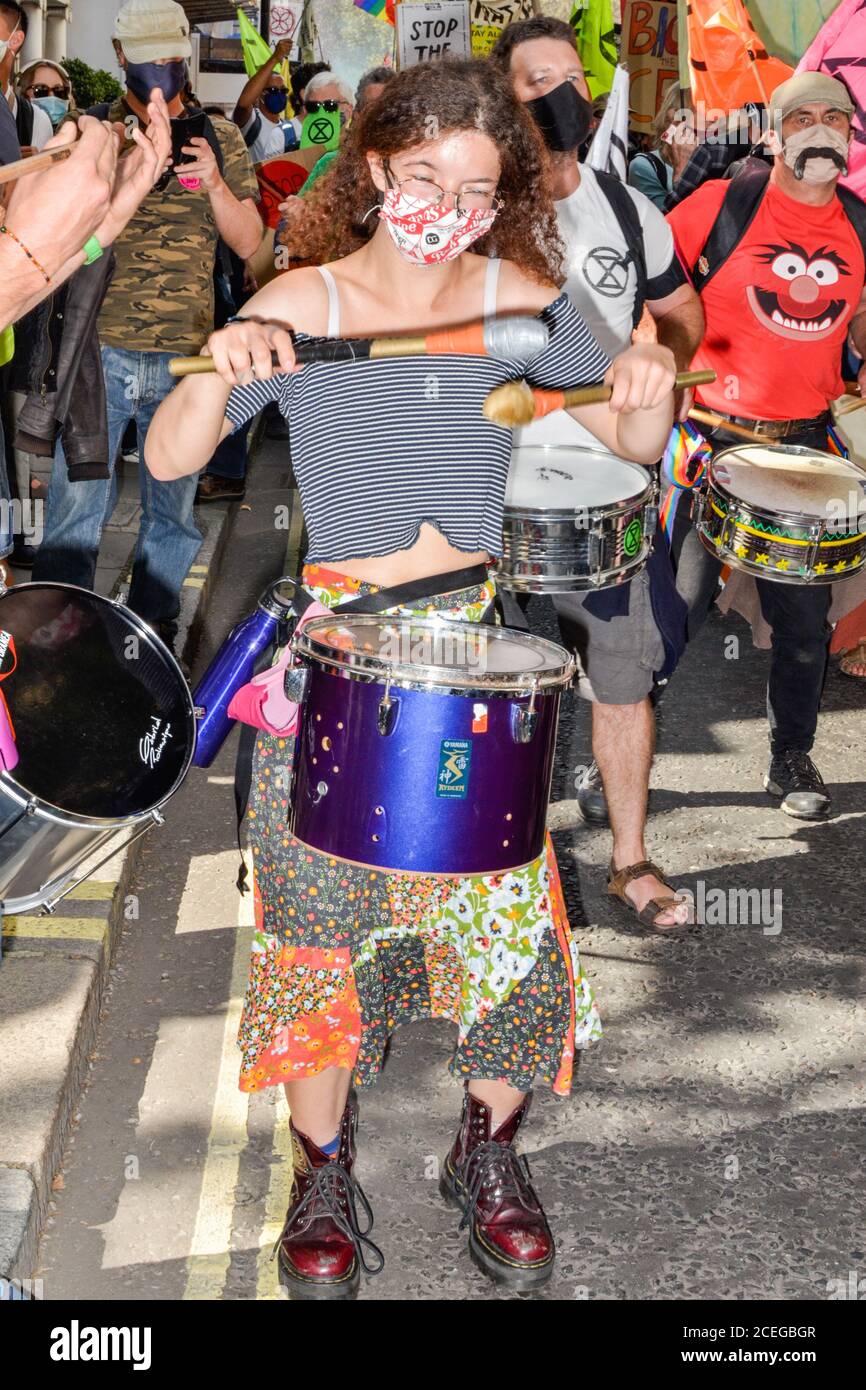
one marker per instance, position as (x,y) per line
(210,1250)
(56,928)
(193,583)
(94,889)
(199,569)
(276,1202)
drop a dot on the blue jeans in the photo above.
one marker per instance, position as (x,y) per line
(229,459)
(168,539)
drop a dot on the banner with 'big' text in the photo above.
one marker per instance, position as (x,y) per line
(650,52)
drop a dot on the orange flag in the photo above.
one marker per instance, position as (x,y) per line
(728,62)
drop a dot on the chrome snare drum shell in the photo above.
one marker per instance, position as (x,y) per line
(575,519)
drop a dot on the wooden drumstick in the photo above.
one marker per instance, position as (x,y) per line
(35,164)
(516,403)
(709,417)
(517,337)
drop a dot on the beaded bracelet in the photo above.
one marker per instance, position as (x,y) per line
(7,231)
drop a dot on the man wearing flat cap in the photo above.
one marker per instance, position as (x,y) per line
(779,259)
(159,305)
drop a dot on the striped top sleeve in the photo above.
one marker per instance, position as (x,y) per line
(572,356)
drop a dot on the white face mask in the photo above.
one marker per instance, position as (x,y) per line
(816,168)
(4,43)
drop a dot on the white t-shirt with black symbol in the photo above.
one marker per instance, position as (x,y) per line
(602,282)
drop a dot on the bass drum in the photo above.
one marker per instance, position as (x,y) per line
(105,732)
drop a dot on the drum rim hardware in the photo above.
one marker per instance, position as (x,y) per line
(369,668)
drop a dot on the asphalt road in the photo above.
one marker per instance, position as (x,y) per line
(713,1145)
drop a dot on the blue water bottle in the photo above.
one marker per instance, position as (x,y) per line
(234,666)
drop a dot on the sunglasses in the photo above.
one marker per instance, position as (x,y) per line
(282,91)
(42,91)
(314,106)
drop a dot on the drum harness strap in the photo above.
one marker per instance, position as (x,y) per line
(380,602)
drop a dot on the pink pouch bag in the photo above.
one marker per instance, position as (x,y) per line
(262,702)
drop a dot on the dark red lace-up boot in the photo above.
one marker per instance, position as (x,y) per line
(509,1238)
(322,1246)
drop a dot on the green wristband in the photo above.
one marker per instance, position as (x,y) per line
(92,250)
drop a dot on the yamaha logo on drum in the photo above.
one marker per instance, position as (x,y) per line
(151,746)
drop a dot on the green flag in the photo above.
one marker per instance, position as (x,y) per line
(256,50)
(592,22)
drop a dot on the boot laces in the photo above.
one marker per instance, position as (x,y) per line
(803,773)
(335,1192)
(496,1166)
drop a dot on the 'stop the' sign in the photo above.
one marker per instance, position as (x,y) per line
(426,31)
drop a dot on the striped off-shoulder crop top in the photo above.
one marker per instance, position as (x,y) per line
(380,447)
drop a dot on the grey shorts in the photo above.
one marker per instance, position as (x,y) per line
(616,659)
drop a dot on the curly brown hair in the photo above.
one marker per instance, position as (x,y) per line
(448,95)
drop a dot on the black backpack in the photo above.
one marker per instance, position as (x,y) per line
(629,224)
(738,211)
(24,122)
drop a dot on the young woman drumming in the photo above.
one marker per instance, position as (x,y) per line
(426,500)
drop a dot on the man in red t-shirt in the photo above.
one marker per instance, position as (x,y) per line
(778,312)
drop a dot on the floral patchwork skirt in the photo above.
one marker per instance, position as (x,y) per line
(342,953)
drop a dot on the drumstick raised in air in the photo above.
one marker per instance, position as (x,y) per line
(516,403)
(518,339)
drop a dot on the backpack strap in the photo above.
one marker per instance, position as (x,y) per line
(628,218)
(659,167)
(735,216)
(855,209)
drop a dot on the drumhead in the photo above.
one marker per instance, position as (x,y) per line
(805,482)
(558,478)
(103,718)
(428,652)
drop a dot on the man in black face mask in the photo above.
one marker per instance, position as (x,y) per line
(159,305)
(620,256)
(261,110)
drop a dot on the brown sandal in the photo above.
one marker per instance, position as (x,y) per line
(853,656)
(618,880)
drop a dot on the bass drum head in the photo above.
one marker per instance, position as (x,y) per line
(802,482)
(559,478)
(103,718)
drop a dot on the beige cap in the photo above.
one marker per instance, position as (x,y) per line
(810,86)
(25,76)
(148,30)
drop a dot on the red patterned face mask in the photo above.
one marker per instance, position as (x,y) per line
(429,233)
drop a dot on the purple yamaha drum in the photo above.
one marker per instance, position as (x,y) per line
(425,746)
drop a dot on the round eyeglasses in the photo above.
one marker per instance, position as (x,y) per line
(425,191)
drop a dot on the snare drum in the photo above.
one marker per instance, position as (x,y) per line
(575,519)
(790,514)
(425,746)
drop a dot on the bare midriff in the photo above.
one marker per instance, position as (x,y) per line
(431,554)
